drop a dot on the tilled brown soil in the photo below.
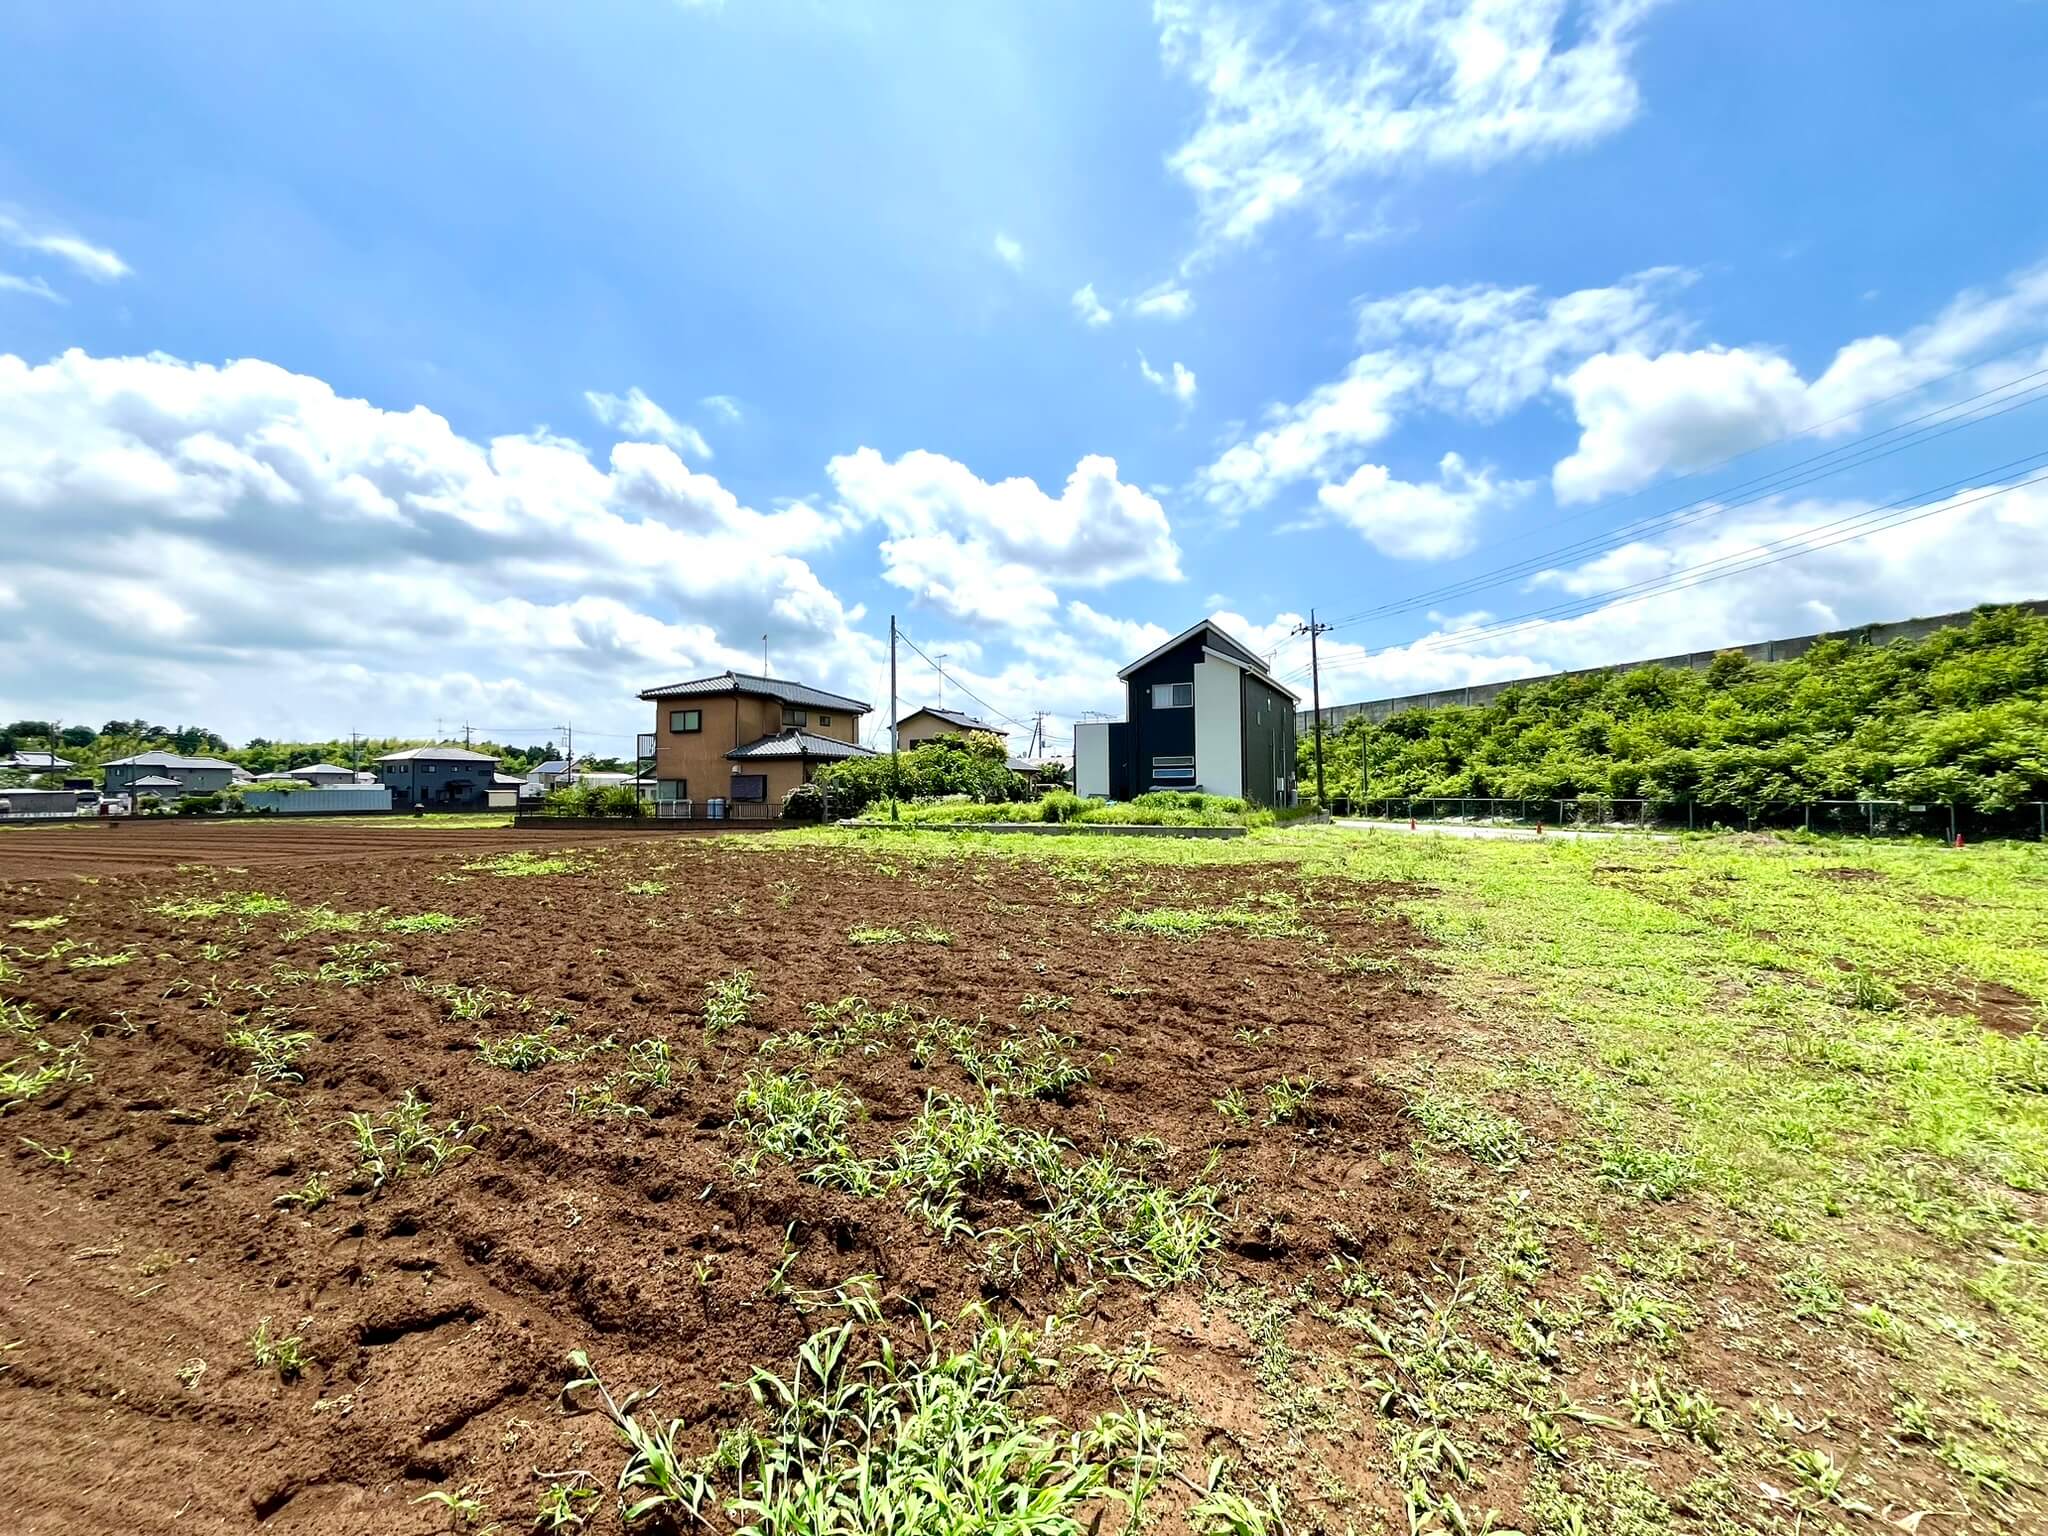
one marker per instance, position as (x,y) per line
(122,846)
(438,1312)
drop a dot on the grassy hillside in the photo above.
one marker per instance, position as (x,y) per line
(1960,717)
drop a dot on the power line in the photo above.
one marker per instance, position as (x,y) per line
(1759,488)
(984,703)
(1791,547)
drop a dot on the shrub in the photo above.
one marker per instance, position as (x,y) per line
(807,802)
(198,805)
(976,766)
(620,800)
(1061,805)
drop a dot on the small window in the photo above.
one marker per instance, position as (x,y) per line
(1173,695)
(750,786)
(824,719)
(1178,769)
(794,717)
(672,789)
(684,721)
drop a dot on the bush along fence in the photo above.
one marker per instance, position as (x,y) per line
(1868,818)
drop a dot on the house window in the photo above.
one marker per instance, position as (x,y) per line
(672,789)
(824,719)
(750,786)
(683,721)
(1177,769)
(793,716)
(1173,695)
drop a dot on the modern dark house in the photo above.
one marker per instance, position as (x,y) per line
(439,778)
(1201,712)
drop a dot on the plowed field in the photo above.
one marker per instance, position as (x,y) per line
(183,1183)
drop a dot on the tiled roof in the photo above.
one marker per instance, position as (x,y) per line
(436,755)
(154,781)
(801,695)
(794,743)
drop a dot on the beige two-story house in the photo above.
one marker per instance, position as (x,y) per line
(746,740)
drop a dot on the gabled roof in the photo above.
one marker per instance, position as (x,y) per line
(436,755)
(955,717)
(154,781)
(36,760)
(1215,639)
(801,695)
(320,768)
(167,760)
(795,743)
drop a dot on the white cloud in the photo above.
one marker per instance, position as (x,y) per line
(634,415)
(1476,352)
(1987,551)
(1180,384)
(1643,416)
(241,545)
(1301,99)
(34,287)
(97,262)
(1165,302)
(724,407)
(1091,309)
(1009,252)
(976,551)
(1420,521)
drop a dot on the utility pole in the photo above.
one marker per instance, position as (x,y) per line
(1312,629)
(941,672)
(569,753)
(764,655)
(355,756)
(465,735)
(895,767)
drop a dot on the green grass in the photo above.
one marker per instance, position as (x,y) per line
(404,1142)
(1743,1100)
(426,922)
(861,1436)
(525,863)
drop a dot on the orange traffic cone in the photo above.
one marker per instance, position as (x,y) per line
(1959,839)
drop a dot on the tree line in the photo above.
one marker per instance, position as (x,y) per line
(1960,717)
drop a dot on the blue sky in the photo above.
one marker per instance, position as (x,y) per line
(373,368)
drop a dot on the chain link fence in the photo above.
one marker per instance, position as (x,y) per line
(1866,818)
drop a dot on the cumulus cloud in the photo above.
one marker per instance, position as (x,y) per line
(1642,416)
(1419,521)
(1093,312)
(1968,551)
(1477,352)
(991,553)
(1180,383)
(97,262)
(1165,302)
(1300,99)
(634,415)
(241,544)
(1009,252)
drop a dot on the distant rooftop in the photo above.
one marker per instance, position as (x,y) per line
(168,760)
(966,722)
(436,755)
